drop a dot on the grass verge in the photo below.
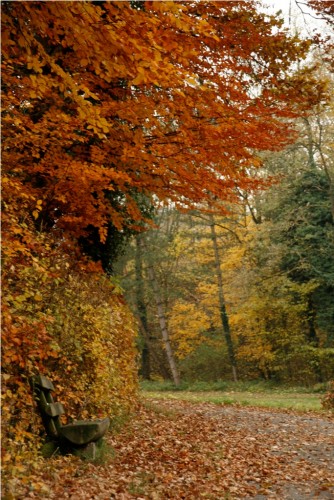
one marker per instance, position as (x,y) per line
(300,402)
(259,394)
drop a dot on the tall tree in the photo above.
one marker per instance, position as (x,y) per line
(105,100)
(161,313)
(307,232)
(222,303)
(142,309)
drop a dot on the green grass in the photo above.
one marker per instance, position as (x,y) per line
(261,394)
(302,402)
(223,385)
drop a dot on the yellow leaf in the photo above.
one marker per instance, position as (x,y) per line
(139,79)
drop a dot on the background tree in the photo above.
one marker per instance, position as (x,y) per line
(151,288)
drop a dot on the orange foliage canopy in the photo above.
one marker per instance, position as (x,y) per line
(107,101)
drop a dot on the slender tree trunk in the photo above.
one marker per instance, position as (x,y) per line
(327,168)
(330,180)
(311,146)
(222,305)
(162,320)
(142,311)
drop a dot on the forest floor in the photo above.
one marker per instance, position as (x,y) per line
(183,450)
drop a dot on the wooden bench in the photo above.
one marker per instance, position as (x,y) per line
(80,436)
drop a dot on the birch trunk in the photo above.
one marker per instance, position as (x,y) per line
(162,320)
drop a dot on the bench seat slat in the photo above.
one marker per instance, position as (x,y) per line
(83,431)
(53,409)
(43,382)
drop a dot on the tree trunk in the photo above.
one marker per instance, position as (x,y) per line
(222,305)
(311,146)
(162,320)
(155,359)
(142,311)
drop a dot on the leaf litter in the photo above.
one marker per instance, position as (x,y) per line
(182,450)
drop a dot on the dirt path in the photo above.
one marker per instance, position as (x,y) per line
(303,445)
(180,450)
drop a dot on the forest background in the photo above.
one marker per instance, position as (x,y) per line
(168,191)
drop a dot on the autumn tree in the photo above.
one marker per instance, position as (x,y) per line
(222,303)
(149,274)
(167,113)
(290,264)
(182,266)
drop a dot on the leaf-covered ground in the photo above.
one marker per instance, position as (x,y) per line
(181,450)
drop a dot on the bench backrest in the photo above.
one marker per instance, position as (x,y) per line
(49,409)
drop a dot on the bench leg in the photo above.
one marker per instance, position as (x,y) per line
(87,452)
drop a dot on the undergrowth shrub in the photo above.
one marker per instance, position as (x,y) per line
(208,362)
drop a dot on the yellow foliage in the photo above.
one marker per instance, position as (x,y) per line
(187,323)
(96,337)
(71,326)
(269,322)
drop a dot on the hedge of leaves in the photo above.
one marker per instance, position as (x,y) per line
(72,326)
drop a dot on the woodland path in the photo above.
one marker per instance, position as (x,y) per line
(181,450)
